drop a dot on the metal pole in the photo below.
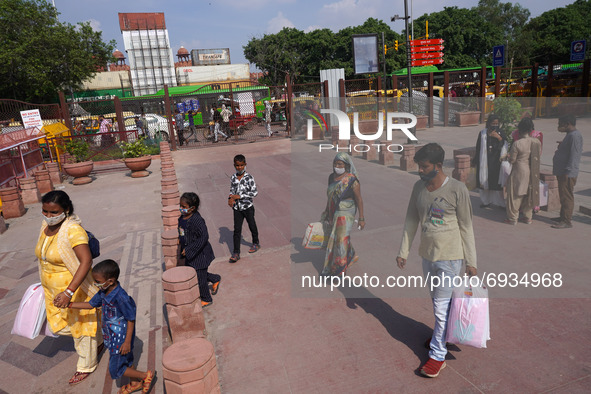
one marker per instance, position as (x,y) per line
(384,82)
(412,21)
(409,61)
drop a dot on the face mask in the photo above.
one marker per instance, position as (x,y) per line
(184,211)
(429,176)
(55,220)
(102,286)
(493,128)
(240,172)
(339,171)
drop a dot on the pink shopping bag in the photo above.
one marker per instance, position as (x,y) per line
(469,322)
(31,313)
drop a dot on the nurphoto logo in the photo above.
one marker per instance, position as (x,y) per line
(345,131)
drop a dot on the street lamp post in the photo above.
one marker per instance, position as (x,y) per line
(408,56)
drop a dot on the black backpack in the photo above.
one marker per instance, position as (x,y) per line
(94,245)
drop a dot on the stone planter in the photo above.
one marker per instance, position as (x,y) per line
(138,166)
(79,171)
(470,118)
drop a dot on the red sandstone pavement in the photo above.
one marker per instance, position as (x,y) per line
(272,336)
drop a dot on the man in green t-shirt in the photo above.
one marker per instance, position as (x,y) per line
(441,206)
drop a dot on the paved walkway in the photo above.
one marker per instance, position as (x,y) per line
(273,336)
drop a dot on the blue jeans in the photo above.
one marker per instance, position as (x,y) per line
(441,297)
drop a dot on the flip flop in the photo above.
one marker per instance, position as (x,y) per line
(78,377)
(147,382)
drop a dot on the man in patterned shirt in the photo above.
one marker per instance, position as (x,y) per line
(242,190)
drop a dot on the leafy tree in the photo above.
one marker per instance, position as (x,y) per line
(505,24)
(303,55)
(466,33)
(39,55)
(552,32)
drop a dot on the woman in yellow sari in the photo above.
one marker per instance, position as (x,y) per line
(65,269)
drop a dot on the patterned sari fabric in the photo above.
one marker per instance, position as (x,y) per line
(340,216)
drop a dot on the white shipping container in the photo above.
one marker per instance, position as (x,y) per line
(219,73)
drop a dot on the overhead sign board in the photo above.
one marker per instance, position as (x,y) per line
(426,62)
(499,56)
(433,41)
(577,50)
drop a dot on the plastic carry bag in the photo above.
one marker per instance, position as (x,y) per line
(31,313)
(469,322)
(504,172)
(314,237)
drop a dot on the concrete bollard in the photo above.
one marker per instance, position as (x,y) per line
(44,183)
(461,170)
(386,157)
(170,247)
(190,367)
(170,217)
(54,172)
(371,154)
(355,150)
(170,197)
(29,192)
(183,305)
(12,203)
(407,162)
(553,196)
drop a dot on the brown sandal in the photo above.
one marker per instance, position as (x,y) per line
(78,377)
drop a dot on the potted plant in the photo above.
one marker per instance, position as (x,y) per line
(469,116)
(509,111)
(136,157)
(77,163)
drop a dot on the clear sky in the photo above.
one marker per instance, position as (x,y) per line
(231,24)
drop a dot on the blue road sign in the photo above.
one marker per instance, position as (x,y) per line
(577,50)
(499,56)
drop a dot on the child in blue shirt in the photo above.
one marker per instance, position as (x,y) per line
(118,325)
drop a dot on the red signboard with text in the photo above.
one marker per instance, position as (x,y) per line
(426,62)
(433,41)
(426,55)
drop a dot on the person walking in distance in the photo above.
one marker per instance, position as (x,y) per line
(441,206)
(243,189)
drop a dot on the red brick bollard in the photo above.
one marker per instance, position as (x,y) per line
(170,217)
(461,170)
(553,196)
(170,197)
(12,203)
(189,367)
(54,172)
(407,162)
(170,247)
(29,192)
(44,183)
(371,154)
(183,305)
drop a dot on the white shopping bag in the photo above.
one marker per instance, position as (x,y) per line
(314,237)
(469,321)
(31,313)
